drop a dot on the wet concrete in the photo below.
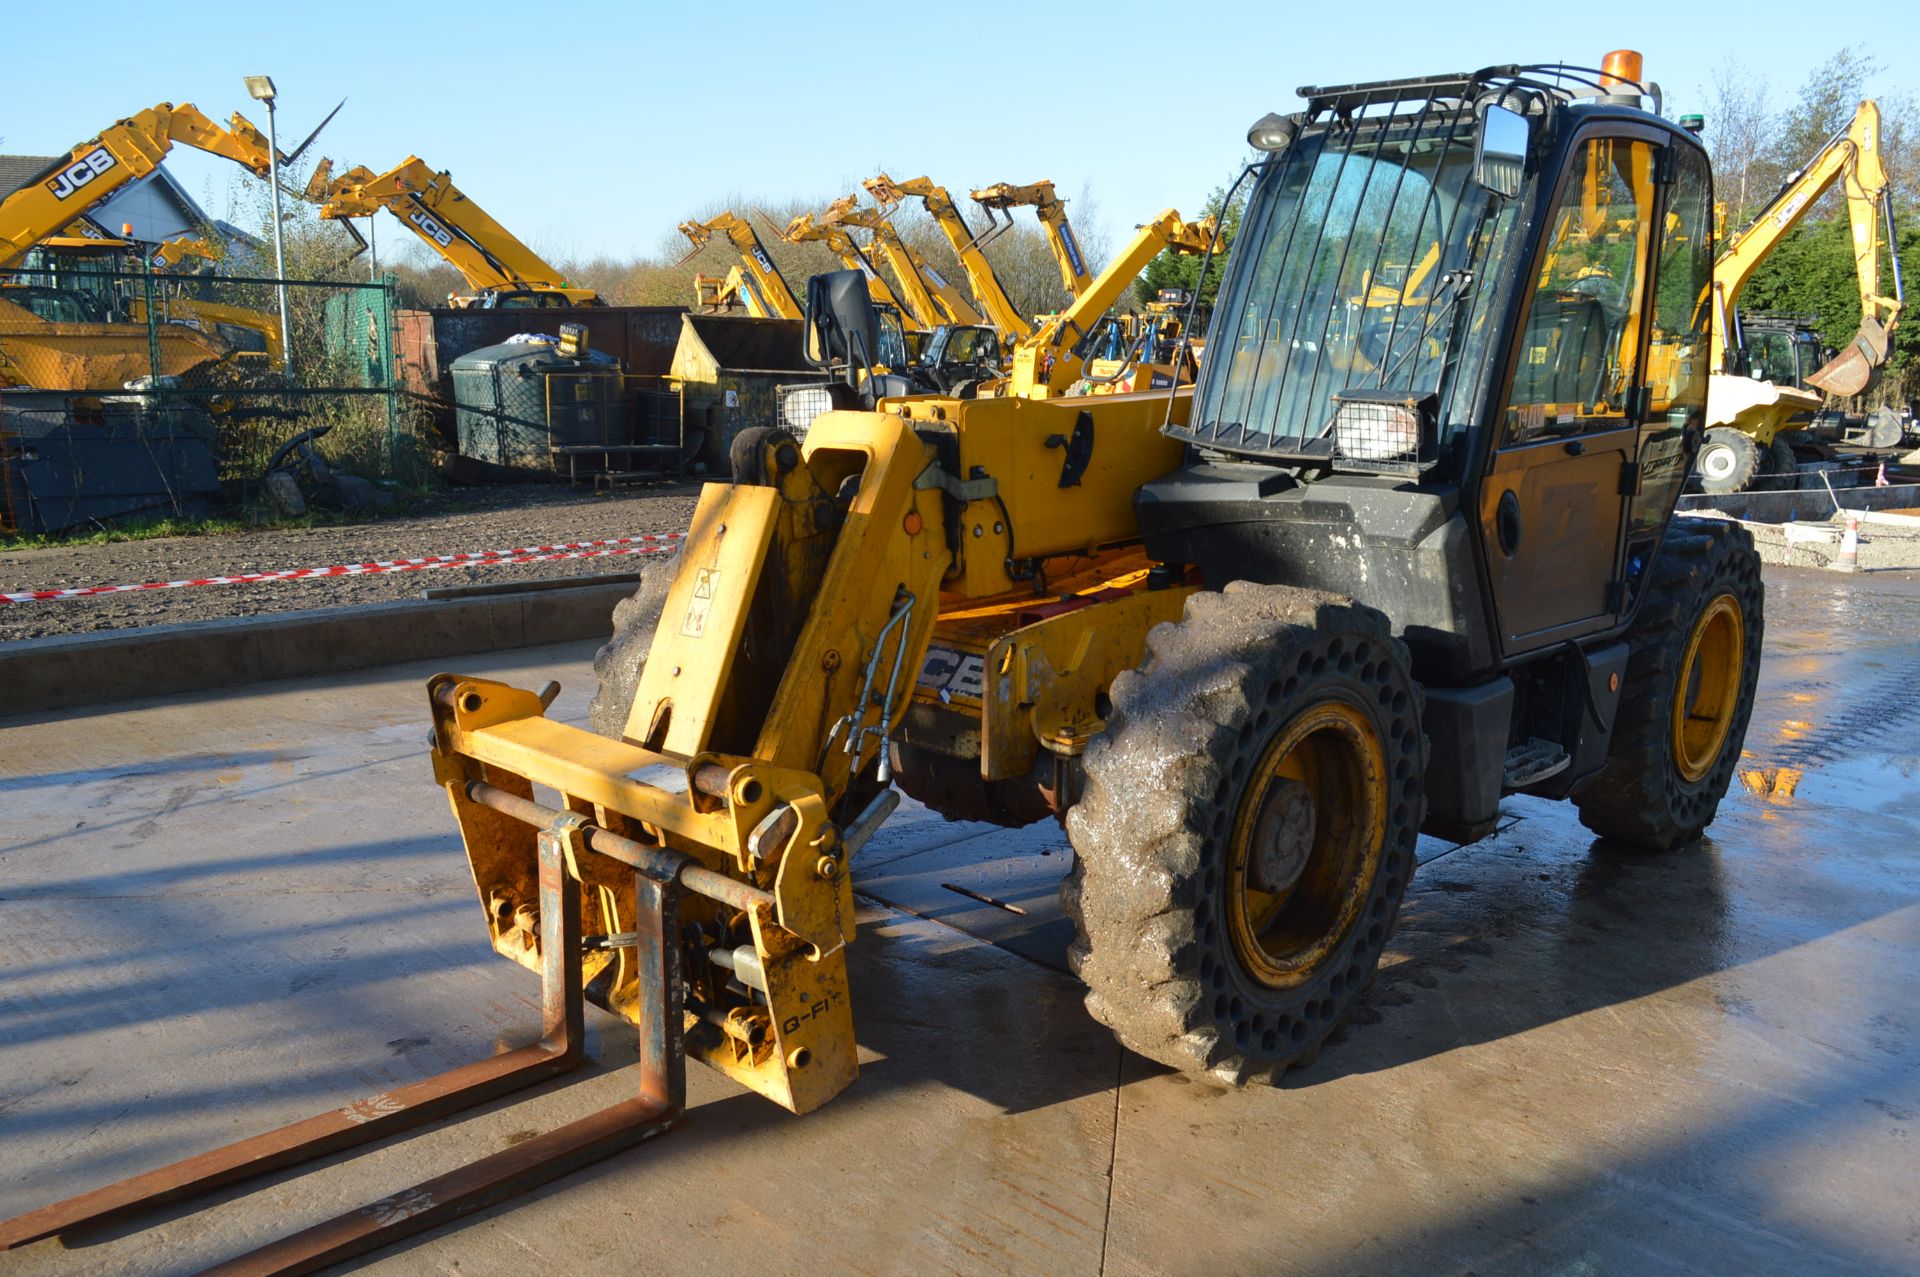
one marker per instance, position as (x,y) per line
(225,912)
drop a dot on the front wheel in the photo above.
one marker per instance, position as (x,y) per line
(1247,830)
(1729,461)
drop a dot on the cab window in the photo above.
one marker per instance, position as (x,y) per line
(1580,340)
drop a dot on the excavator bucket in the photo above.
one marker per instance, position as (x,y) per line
(1855,369)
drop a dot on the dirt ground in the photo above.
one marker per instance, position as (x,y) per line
(477,519)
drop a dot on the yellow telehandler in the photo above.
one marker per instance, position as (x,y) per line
(1378,568)
(502,271)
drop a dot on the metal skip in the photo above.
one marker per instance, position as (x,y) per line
(659,1101)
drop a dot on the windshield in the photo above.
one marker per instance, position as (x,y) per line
(893,341)
(1354,269)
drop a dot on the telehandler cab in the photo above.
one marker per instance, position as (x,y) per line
(1386,563)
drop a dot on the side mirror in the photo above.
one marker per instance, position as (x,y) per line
(841,328)
(1500,150)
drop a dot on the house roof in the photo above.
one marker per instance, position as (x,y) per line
(17,170)
(156,206)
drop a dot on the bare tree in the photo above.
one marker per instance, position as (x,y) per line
(1740,133)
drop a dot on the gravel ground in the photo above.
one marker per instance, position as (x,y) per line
(474,519)
(1883,547)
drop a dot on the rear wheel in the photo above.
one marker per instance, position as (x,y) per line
(1247,830)
(1693,663)
(1783,465)
(1729,461)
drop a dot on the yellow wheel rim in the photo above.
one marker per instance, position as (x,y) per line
(1306,843)
(1709,688)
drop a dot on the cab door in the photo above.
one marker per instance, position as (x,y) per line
(1553,502)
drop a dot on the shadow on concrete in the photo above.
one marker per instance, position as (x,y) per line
(1708,1200)
(149,767)
(162,881)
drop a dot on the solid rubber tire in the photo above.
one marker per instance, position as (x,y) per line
(1639,797)
(1163,783)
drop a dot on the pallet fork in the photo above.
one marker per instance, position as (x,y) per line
(661,876)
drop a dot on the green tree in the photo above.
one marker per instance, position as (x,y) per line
(1182,270)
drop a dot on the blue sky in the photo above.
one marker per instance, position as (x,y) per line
(589,127)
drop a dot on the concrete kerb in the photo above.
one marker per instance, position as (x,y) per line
(68,671)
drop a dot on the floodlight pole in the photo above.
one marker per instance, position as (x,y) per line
(261,87)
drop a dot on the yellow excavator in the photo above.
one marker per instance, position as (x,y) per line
(503,272)
(53,341)
(1247,639)
(1747,413)
(1003,197)
(763,286)
(998,308)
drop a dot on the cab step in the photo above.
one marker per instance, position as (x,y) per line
(1533,761)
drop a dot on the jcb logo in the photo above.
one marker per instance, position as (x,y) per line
(766,263)
(432,229)
(948,673)
(81,172)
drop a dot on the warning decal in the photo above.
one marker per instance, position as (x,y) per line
(706,581)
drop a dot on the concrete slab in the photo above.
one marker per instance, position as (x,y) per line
(226,911)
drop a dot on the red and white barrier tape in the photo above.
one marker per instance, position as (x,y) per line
(646,543)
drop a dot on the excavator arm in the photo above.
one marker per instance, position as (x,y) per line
(1853,158)
(993,299)
(1003,197)
(487,255)
(125,152)
(769,288)
(931,299)
(1045,364)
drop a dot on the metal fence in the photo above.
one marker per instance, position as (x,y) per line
(124,391)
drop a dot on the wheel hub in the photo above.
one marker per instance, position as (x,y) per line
(1305,844)
(1716,461)
(1708,694)
(1282,836)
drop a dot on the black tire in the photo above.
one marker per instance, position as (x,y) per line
(1187,747)
(1783,465)
(1647,796)
(1728,461)
(621,659)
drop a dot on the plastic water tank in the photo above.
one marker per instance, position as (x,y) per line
(521,403)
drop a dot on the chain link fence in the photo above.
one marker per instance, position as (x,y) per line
(140,391)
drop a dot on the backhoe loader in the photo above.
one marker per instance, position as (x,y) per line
(503,272)
(1747,414)
(1372,573)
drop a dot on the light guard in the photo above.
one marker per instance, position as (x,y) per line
(1385,431)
